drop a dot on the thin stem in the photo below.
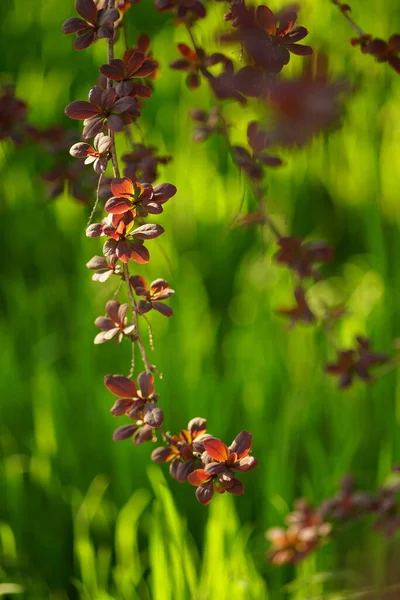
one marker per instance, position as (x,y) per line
(345,12)
(117,290)
(148,366)
(132,369)
(97,200)
(110,46)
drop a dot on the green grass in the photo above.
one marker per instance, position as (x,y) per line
(83,517)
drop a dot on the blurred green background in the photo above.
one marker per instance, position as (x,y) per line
(83,517)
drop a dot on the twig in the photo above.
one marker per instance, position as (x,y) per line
(345,9)
(97,200)
(148,366)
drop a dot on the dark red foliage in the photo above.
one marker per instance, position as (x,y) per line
(348,504)
(305,106)
(301,256)
(133,65)
(153,297)
(13,113)
(97,155)
(357,362)
(142,163)
(383,51)
(306,531)
(267,40)
(185,10)
(207,123)
(300,312)
(219,463)
(253,163)
(95,23)
(103,269)
(138,403)
(183,450)
(104,109)
(115,325)
(195,62)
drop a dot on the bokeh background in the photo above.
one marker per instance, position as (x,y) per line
(83,517)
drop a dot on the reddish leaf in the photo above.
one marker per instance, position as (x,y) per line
(237,488)
(148,231)
(123,104)
(124,432)
(204,493)
(87,9)
(122,187)
(153,415)
(118,206)
(121,407)
(267,19)
(84,39)
(197,426)
(241,444)
(198,477)
(247,463)
(216,449)
(121,386)
(115,122)
(162,454)
(164,191)
(146,383)
(73,25)
(180,470)
(79,109)
(140,254)
(94,230)
(164,309)
(111,72)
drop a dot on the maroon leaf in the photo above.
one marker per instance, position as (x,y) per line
(92,127)
(140,254)
(124,432)
(180,470)
(164,309)
(80,150)
(94,230)
(121,386)
(248,463)
(121,407)
(115,122)
(97,262)
(124,251)
(73,25)
(87,9)
(118,206)
(162,454)
(112,72)
(85,39)
(241,444)
(148,231)
(146,383)
(164,191)
(153,415)
(79,109)
(204,493)
(237,488)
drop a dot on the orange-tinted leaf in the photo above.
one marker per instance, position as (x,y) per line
(122,187)
(198,477)
(267,19)
(216,449)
